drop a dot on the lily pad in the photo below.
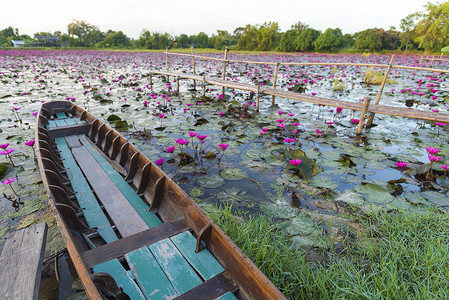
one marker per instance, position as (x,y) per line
(256,166)
(3,231)
(211,181)
(323,181)
(351,197)
(415,198)
(300,225)
(278,211)
(234,195)
(374,193)
(121,125)
(3,169)
(233,174)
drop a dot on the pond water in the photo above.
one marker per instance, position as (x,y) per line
(338,170)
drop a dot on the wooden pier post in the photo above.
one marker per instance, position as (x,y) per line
(166,63)
(420,61)
(193,66)
(204,86)
(177,84)
(363,116)
(151,79)
(433,57)
(275,77)
(379,93)
(224,68)
(257,98)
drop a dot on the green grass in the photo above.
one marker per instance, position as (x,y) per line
(399,256)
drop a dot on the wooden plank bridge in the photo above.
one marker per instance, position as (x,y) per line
(372,108)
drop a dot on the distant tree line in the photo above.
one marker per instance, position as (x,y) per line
(428,30)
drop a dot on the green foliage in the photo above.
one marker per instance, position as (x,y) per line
(368,40)
(330,40)
(287,42)
(115,39)
(394,255)
(408,34)
(264,37)
(155,40)
(304,42)
(432,30)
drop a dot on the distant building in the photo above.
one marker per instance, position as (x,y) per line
(47,41)
(17,43)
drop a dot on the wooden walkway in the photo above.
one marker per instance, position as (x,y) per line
(375,109)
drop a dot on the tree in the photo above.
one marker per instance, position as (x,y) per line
(408,25)
(9,32)
(348,41)
(368,40)
(183,41)
(433,28)
(116,39)
(86,33)
(330,40)
(299,26)
(287,43)
(304,42)
(264,37)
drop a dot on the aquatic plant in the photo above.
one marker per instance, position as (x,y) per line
(7,153)
(8,182)
(30,143)
(223,148)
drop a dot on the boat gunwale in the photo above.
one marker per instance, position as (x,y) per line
(252,283)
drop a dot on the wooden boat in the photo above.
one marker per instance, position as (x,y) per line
(129,229)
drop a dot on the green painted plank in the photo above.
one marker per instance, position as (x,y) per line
(121,277)
(60,122)
(181,275)
(136,202)
(92,211)
(51,124)
(149,275)
(227,296)
(203,262)
(61,115)
(70,121)
(79,121)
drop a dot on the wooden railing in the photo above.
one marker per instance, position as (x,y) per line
(366,107)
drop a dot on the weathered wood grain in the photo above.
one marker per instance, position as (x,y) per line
(21,263)
(123,215)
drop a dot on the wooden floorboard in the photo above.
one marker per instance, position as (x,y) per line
(144,238)
(21,263)
(211,289)
(124,216)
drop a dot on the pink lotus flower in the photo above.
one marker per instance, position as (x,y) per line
(282,125)
(401,164)
(30,143)
(4,146)
(355,121)
(170,149)
(433,158)
(8,181)
(189,104)
(313,93)
(159,162)
(223,147)
(192,134)
(339,109)
(295,162)
(221,113)
(291,114)
(296,124)
(289,140)
(201,137)
(34,113)
(161,116)
(280,120)
(265,129)
(432,150)
(262,132)
(182,141)
(145,103)
(446,167)
(7,151)
(280,112)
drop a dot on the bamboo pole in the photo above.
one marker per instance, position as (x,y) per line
(224,68)
(275,78)
(166,63)
(363,115)
(433,57)
(151,79)
(420,61)
(379,93)
(204,86)
(258,98)
(177,84)
(193,67)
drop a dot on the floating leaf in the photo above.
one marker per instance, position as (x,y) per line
(113,118)
(211,181)
(233,174)
(374,193)
(121,125)
(278,211)
(323,181)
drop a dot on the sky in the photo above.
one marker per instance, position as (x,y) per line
(194,16)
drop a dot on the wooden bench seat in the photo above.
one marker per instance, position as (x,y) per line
(21,263)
